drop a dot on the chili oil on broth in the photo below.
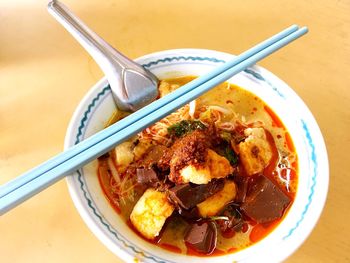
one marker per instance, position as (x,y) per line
(240,105)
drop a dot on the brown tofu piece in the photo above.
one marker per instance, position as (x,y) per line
(150,212)
(215,203)
(215,166)
(255,151)
(165,88)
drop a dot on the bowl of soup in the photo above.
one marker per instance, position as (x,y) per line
(240,174)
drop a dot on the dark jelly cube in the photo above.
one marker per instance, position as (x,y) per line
(202,237)
(265,201)
(189,195)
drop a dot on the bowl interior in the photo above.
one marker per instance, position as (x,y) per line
(98,105)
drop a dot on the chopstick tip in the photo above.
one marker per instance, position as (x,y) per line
(304,29)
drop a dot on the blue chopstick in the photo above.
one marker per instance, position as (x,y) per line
(138,123)
(53,162)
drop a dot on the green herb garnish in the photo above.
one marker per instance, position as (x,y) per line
(183,127)
(227,136)
(231,155)
(226,151)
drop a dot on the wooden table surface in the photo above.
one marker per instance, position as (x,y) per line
(44,74)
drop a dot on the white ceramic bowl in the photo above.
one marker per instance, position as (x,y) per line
(96,108)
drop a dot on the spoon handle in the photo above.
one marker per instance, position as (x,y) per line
(123,74)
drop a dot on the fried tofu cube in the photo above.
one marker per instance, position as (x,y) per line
(216,166)
(196,175)
(124,155)
(165,88)
(215,203)
(219,166)
(140,149)
(255,151)
(150,213)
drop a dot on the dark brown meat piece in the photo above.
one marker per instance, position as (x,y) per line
(189,195)
(146,176)
(202,237)
(265,201)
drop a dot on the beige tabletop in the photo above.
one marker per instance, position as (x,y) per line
(44,74)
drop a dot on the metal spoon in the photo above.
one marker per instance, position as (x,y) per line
(132,86)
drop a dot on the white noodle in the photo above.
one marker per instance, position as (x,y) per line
(113,170)
(192,108)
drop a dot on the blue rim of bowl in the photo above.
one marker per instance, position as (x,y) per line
(93,103)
